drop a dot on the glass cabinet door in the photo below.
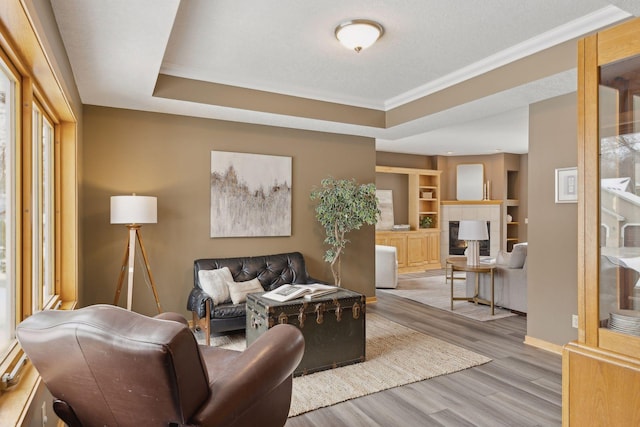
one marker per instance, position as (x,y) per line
(601,369)
(619,236)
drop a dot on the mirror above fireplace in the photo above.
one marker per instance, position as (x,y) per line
(469,182)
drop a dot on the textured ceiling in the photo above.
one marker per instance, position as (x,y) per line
(118,48)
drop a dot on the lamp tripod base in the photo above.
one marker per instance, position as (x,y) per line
(128,267)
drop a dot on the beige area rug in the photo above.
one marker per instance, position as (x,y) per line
(395,356)
(435,292)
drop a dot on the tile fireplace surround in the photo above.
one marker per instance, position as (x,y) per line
(456,211)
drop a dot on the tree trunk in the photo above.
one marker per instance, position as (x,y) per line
(335,263)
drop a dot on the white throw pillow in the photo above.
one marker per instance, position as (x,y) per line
(240,290)
(214,283)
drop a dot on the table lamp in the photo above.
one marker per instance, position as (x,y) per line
(472,232)
(134,211)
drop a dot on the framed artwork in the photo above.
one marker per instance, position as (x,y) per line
(385,203)
(250,195)
(567,185)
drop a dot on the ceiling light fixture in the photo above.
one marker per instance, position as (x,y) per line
(358,34)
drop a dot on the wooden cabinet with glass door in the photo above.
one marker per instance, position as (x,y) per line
(601,370)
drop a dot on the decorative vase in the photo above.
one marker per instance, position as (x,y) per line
(509,218)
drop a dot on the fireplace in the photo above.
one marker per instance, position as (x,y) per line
(457,247)
(454,212)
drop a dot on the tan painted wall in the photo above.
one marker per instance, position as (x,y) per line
(169,157)
(552,230)
(401,160)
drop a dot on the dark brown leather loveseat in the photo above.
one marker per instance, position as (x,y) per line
(271,270)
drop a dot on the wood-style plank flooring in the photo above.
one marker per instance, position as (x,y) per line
(521,386)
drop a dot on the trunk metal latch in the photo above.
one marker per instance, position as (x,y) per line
(319,313)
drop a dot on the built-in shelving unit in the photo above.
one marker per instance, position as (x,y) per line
(511,204)
(428,199)
(419,247)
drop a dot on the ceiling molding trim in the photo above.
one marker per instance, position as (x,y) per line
(171,87)
(576,28)
(175,70)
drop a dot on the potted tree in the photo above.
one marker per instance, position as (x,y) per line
(343,206)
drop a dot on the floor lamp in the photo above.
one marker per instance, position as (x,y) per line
(134,211)
(473,232)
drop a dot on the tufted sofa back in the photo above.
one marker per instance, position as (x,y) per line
(271,270)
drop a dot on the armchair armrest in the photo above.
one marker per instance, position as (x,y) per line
(168,315)
(253,374)
(197,302)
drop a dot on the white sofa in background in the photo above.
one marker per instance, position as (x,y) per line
(510,280)
(386,267)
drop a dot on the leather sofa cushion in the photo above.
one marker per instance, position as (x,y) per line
(229,310)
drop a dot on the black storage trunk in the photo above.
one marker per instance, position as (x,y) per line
(333,327)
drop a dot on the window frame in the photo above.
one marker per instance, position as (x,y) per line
(12,254)
(40,77)
(42,206)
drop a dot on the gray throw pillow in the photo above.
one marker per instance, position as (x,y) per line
(518,256)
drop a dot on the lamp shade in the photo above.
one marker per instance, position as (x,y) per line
(473,230)
(134,209)
(359,34)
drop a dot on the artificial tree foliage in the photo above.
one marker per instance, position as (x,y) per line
(344,206)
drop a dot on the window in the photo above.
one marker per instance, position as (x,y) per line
(43,255)
(38,198)
(7,206)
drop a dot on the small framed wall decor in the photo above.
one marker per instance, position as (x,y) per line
(567,185)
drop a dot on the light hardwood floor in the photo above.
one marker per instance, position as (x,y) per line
(521,386)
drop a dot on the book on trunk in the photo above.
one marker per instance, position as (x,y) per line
(289,292)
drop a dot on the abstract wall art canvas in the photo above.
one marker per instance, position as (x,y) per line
(250,195)
(385,204)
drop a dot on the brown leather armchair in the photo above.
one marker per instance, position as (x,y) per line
(107,366)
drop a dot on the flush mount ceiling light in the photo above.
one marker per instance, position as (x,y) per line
(359,34)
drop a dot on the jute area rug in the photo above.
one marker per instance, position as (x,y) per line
(432,290)
(395,356)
